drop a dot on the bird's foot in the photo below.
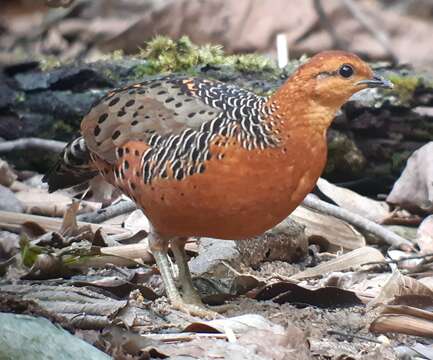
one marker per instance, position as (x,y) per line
(191,296)
(195,309)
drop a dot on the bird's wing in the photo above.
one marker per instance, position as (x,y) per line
(163,106)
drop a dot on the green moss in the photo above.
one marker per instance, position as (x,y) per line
(164,55)
(117,55)
(398,160)
(109,74)
(404,86)
(47,63)
(61,129)
(20,97)
(252,63)
(29,252)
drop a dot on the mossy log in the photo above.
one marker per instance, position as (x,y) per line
(371,139)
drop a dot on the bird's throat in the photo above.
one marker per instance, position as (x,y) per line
(302,116)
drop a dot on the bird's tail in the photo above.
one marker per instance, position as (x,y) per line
(73,167)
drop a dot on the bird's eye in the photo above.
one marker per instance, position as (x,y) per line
(346,71)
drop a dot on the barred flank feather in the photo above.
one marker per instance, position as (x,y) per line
(72,168)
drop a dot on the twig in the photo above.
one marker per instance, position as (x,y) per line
(109,212)
(372,28)
(392,261)
(186,336)
(353,336)
(132,251)
(13,222)
(32,143)
(357,220)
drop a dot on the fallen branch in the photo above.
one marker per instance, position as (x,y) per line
(137,252)
(356,220)
(13,222)
(32,143)
(109,212)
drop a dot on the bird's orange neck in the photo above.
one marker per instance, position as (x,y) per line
(298,108)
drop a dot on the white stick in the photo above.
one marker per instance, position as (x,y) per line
(282,51)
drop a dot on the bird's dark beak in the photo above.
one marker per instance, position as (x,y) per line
(376,81)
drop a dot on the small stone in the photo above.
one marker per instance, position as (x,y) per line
(9,244)
(8,201)
(137,221)
(414,189)
(286,242)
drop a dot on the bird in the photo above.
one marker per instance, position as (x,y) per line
(204,158)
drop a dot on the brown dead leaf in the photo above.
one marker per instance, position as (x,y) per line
(366,285)
(52,240)
(408,310)
(424,302)
(124,343)
(119,284)
(400,285)
(70,228)
(403,324)
(78,307)
(69,225)
(250,337)
(32,230)
(424,235)
(352,259)
(330,233)
(287,292)
(373,210)
(38,201)
(101,191)
(427,281)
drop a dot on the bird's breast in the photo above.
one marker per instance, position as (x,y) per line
(240,195)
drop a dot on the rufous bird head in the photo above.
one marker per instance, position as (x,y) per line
(332,77)
(318,88)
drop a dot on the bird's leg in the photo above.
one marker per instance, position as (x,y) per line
(190,295)
(159,246)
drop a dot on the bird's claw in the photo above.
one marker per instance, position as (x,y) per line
(196,310)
